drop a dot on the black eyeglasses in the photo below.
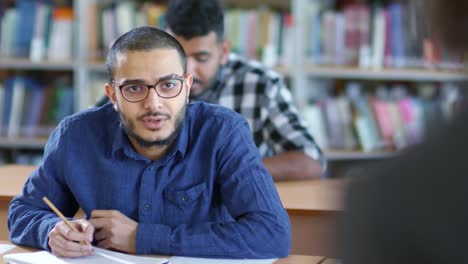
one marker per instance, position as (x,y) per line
(166,88)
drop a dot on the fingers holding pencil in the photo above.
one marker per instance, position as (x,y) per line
(65,242)
(70,238)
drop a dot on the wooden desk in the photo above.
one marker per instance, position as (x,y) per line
(313,207)
(329,261)
(12,179)
(292,259)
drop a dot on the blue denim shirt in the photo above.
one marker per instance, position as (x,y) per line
(210,195)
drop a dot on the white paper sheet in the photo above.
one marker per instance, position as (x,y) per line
(101,256)
(185,260)
(5,247)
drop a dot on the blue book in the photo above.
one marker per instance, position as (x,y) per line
(27,15)
(397,30)
(9,83)
(65,103)
(33,109)
(315,34)
(25,108)
(364,110)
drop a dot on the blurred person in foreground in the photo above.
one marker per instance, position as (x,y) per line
(413,208)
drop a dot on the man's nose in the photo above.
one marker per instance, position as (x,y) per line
(153,100)
(191,65)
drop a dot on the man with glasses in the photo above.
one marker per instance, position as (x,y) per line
(153,174)
(259,94)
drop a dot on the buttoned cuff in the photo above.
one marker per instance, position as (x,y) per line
(153,239)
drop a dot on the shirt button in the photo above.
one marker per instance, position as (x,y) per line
(184,198)
(150,169)
(147,206)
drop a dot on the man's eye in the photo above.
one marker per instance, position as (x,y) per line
(202,58)
(133,88)
(168,85)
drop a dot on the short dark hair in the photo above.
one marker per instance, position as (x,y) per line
(195,18)
(143,39)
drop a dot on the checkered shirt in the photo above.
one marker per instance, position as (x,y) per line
(261,96)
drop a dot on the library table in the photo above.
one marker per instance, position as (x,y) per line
(291,259)
(313,207)
(12,179)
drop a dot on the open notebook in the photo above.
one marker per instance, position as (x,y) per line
(101,256)
(186,260)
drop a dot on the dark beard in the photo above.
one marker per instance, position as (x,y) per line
(212,84)
(129,130)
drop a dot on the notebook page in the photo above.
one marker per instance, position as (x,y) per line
(186,260)
(101,256)
(5,247)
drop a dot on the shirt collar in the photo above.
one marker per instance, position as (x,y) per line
(121,142)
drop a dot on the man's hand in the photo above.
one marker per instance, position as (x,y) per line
(64,242)
(114,230)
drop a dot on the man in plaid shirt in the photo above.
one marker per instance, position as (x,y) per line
(247,87)
(259,94)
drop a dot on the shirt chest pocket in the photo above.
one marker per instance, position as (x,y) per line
(184,206)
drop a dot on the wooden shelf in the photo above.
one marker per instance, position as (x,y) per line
(283,69)
(337,155)
(330,72)
(96,66)
(23,143)
(26,64)
(385,74)
(101,67)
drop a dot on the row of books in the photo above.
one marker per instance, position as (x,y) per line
(374,35)
(389,118)
(30,108)
(37,30)
(116,18)
(258,34)
(261,34)
(355,33)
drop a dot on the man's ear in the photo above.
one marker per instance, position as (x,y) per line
(225,50)
(110,92)
(188,82)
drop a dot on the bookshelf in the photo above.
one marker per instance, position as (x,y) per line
(26,64)
(354,73)
(333,155)
(87,70)
(37,87)
(24,143)
(328,57)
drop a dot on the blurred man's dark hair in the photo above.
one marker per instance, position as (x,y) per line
(195,18)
